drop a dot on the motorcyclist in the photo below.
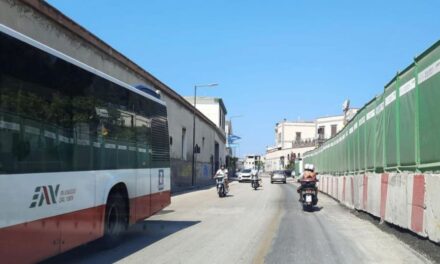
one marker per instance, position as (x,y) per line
(223,172)
(255,173)
(308,178)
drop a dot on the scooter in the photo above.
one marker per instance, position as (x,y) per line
(255,182)
(309,196)
(221,186)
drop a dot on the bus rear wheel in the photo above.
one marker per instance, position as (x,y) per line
(116,219)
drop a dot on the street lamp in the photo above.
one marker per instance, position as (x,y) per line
(235,116)
(193,177)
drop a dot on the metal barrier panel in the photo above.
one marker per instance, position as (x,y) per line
(356,143)
(340,155)
(407,117)
(370,136)
(361,139)
(334,157)
(390,139)
(428,79)
(329,158)
(350,152)
(344,152)
(380,119)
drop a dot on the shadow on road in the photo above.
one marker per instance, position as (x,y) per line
(165,212)
(137,237)
(315,209)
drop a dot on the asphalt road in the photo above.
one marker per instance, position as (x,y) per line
(267,225)
(331,234)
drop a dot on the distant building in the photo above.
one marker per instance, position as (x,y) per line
(294,138)
(214,109)
(328,127)
(279,159)
(287,133)
(211,107)
(251,162)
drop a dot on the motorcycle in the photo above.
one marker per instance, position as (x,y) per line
(221,186)
(255,182)
(309,195)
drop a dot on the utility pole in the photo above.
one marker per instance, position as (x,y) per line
(193,169)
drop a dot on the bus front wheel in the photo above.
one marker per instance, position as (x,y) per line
(116,219)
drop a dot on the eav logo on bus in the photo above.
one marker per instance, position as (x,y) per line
(48,194)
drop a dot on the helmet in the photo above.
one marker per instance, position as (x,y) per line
(309,167)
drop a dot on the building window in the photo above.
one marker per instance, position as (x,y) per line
(298,136)
(183,144)
(321,132)
(221,119)
(334,130)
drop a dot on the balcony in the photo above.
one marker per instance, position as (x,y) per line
(303,143)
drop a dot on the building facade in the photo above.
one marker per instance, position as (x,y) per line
(327,127)
(252,162)
(279,159)
(215,110)
(212,107)
(288,133)
(294,138)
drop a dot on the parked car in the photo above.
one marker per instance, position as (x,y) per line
(244,175)
(278,176)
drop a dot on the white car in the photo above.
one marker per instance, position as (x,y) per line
(245,175)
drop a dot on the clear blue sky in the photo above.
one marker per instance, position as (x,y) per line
(273,59)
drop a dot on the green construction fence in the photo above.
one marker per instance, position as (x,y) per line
(397,130)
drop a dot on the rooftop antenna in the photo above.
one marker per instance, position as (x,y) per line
(345,109)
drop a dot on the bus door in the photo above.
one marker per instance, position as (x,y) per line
(160,172)
(143,173)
